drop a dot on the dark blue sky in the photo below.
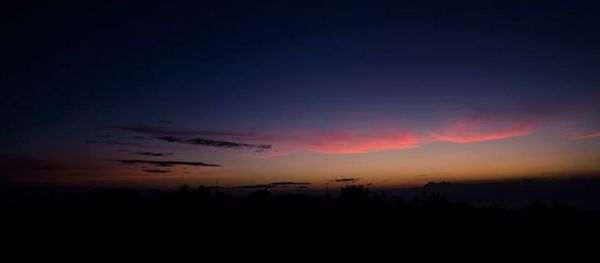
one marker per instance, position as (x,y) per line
(72,70)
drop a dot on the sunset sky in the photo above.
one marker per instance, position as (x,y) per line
(239,93)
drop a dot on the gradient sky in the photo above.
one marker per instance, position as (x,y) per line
(238,93)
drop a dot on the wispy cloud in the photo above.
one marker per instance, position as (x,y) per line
(254,186)
(348,142)
(119,143)
(478,124)
(274,185)
(161,131)
(215,143)
(583,136)
(156,171)
(166,163)
(345,180)
(287,184)
(471,130)
(218,139)
(465,130)
(153,154)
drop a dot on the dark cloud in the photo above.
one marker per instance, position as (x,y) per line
(156,171)
(167,163)
(254,186)
(345,180)
(154,154)
(141,137)
(115,143)
(288,183)
(274,185)
(183,136)
(216,143)
(158,131)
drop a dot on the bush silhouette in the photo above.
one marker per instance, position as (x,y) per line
(356,214)
(354,194)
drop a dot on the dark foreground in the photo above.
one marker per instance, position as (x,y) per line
(355,220)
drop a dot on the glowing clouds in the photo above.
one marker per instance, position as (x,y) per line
(477,127)
(346,143)
(584,136)
(466,130)
(481,130)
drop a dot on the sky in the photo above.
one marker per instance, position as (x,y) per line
(298,93)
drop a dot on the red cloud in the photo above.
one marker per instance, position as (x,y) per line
(487,126)
(484,129)
(345,143)
(468,130)
(587,136)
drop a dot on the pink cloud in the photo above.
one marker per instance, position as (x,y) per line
(271,154)
(466,130)
(471,130)
(482,126)
(584,136)
(378,139)
(352,141)
(348,142)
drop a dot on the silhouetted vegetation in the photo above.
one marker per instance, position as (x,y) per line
(357,215)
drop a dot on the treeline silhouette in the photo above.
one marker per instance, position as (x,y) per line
(355,215)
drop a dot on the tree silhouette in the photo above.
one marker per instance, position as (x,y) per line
(354,193)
